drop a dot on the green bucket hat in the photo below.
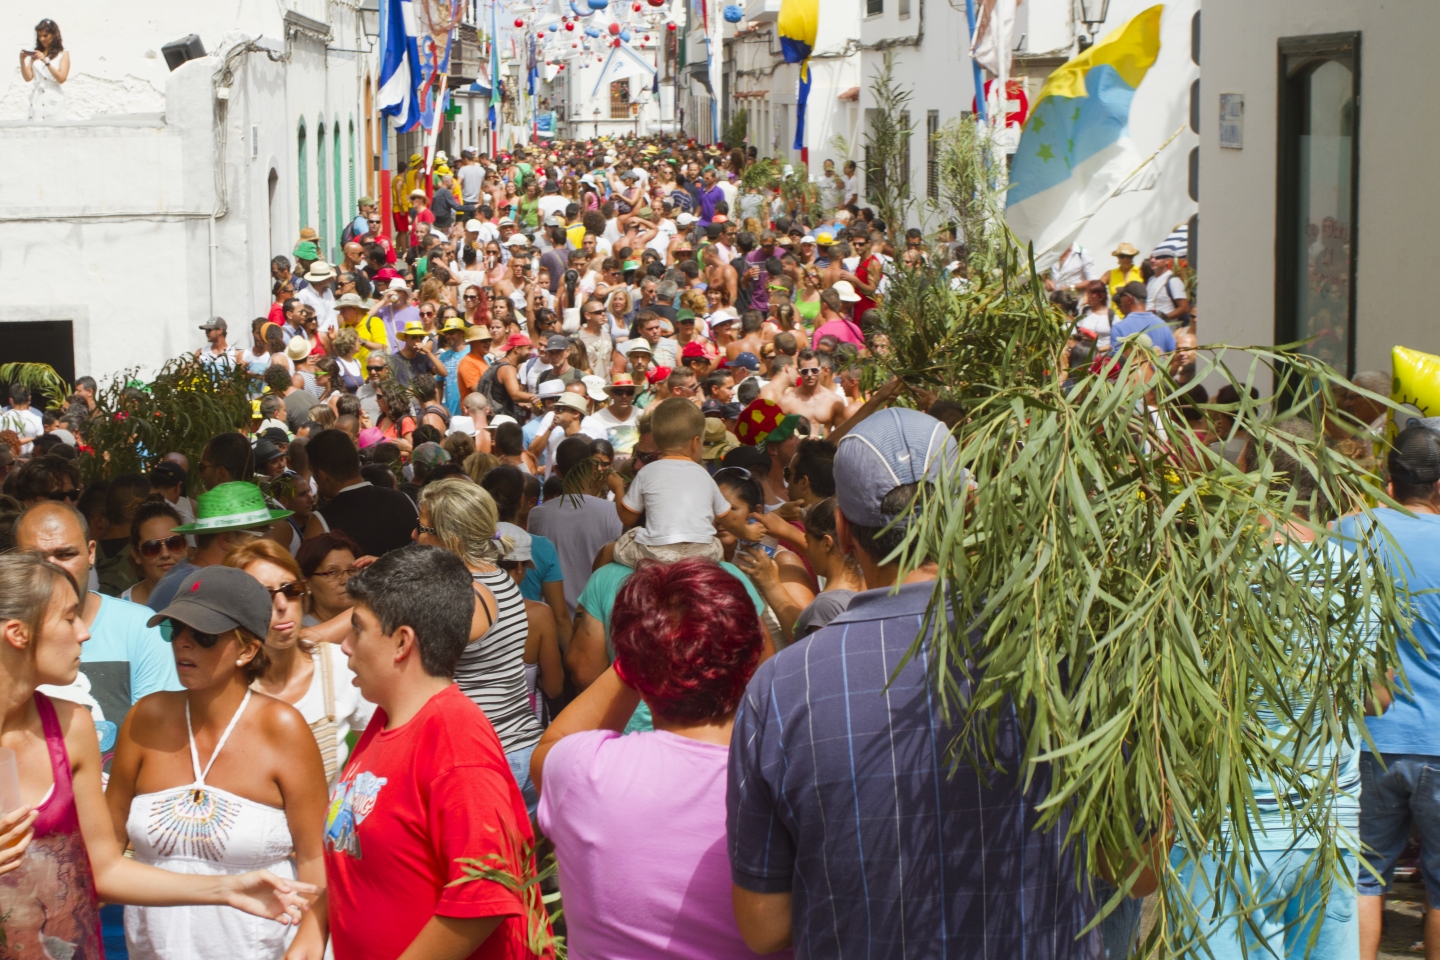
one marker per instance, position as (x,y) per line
(231,506)
(306,250)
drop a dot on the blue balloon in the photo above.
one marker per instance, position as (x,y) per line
(581,9)
(599,4)
(553,27)
(591,32)
(625,35)
(733,13)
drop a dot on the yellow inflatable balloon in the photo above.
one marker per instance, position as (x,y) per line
(1415,386)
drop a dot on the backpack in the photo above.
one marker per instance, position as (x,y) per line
(492,389)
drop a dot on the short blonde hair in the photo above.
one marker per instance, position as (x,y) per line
(464,516)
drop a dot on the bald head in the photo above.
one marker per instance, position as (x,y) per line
(58,532)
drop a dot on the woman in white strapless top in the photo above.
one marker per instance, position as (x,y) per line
(217,779)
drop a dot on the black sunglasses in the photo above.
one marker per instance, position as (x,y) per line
(293,590)
(150,549)
(647,457)
(206,640)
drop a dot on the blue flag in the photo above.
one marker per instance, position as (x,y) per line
(399,64)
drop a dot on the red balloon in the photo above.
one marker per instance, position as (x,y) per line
(636,8)
(519,23)
(670,27)
(540,35)
(646,38)
(614,29)
(570,26)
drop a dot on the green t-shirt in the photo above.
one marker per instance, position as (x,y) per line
(598,600)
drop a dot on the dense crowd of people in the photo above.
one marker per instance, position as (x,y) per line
(564,520)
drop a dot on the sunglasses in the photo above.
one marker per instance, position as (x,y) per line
(72,495)
(809,371)
(375,369)
(293,590)
(622,392)
(206,640)
(150,549)
(647,457)
(471,296)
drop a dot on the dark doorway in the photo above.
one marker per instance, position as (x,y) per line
(40,341)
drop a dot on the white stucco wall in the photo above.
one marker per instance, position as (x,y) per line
(105,218)
(1398,209)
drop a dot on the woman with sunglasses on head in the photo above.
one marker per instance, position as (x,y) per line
(313,678)
(153,547)
(62,831)
(215,779)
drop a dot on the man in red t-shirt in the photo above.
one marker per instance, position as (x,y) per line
(868,273)
(426,786)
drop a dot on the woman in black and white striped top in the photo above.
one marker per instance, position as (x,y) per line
(460,516)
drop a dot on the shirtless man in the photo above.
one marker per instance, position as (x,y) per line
(821,405)
(752,324)
(718,273)
(850,387)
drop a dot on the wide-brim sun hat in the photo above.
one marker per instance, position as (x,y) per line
(232,506)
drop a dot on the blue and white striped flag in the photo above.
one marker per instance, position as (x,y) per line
(399,64)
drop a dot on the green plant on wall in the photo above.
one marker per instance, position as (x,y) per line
(736,130)
(970,192)
(887,148)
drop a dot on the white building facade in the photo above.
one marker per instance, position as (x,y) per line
(162,198)
(1317,218)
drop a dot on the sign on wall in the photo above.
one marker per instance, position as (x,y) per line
(1232,121)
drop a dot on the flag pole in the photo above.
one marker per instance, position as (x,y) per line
(980,110)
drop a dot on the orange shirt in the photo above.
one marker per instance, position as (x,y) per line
(472,367)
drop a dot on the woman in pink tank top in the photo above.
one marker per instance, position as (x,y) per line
(58,852)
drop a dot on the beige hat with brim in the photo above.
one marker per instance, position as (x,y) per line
(320,270)
(297,349)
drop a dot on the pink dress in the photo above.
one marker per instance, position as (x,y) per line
(48,904)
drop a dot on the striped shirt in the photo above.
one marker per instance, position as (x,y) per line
(841,794)
(491,671)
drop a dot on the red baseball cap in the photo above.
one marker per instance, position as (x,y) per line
(516,340)
(658,374)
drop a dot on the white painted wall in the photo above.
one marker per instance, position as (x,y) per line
(1398,209)
(105,218)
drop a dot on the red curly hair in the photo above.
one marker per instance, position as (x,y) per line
(687,638)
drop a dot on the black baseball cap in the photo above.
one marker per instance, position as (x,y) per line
(1137,290)
(217,600)
(167,473)
(557,342)
(1415,458)
(274,435)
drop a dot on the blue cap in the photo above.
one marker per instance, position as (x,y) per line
(887,450)
(747,360)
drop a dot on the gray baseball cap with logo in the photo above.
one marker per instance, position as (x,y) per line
(217,600)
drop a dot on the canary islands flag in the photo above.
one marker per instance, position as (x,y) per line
(1075,151)
(797,24)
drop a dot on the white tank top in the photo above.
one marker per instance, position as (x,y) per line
(203,830)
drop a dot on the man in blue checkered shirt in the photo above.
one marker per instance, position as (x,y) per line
(850,834)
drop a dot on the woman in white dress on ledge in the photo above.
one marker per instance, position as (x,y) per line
(46,67)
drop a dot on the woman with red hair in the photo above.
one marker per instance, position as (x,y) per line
(651,804)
